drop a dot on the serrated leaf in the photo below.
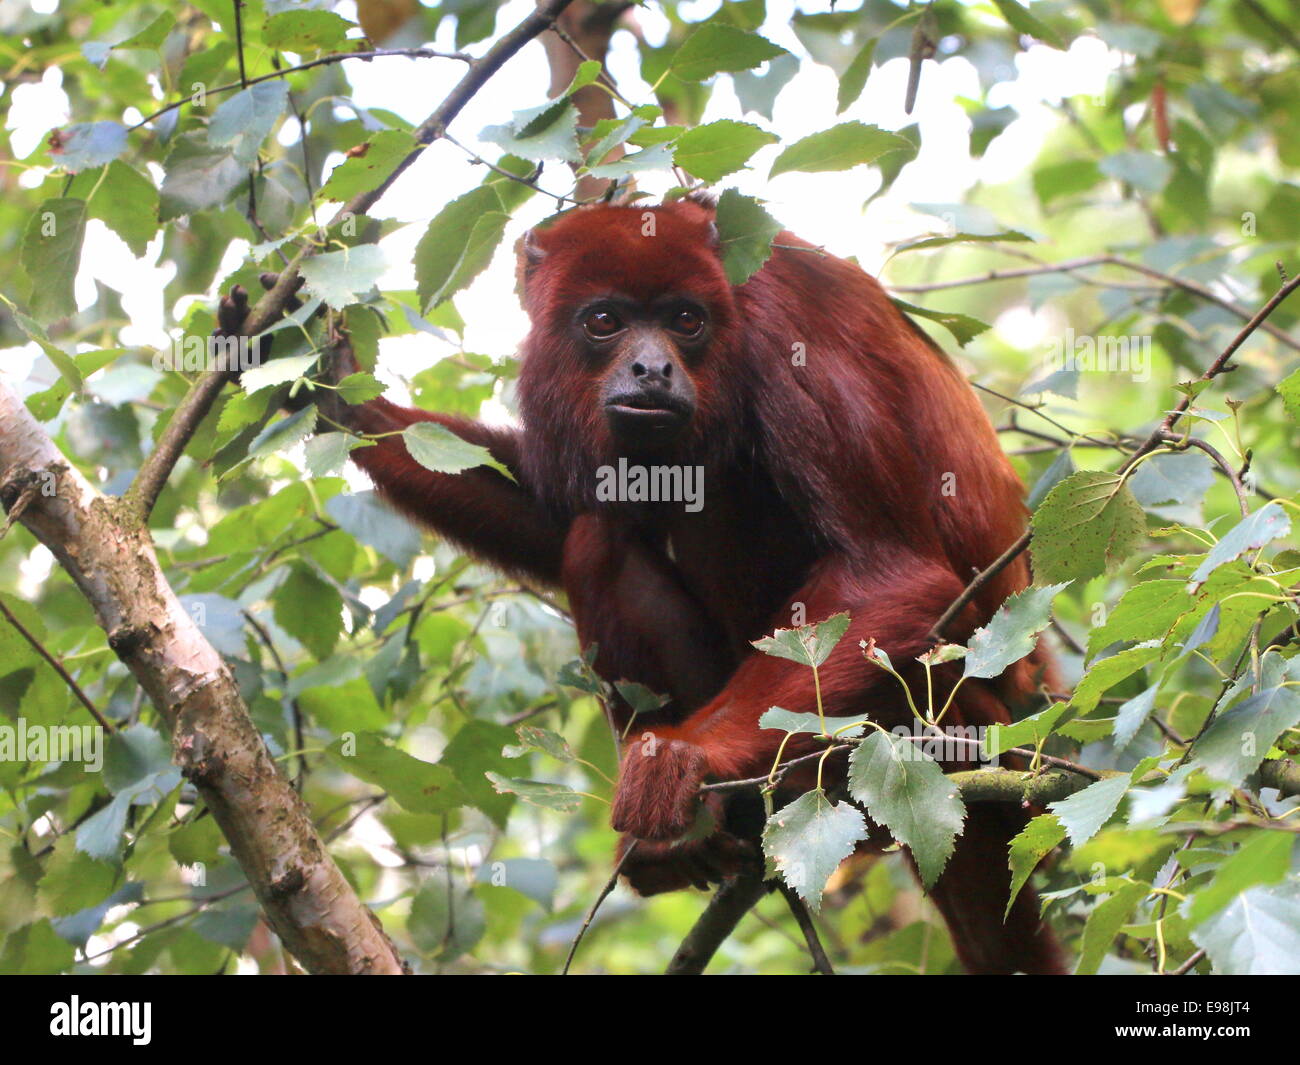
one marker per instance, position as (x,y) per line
(360,388)
(745,234)
(906,791)
(788,721)
(854,78)
(1254,531)
(437,448)
(418,786)
(809,645)
(1132,715)
(1013,631)
(841,147)
(1236,742)
(1020,20)
(1264,858)
(245,119)
(309,610)
(341,277)
(717,149)
(88,144)
(1033,843)
(963,327)
(807,839)
(715,49)
(538,792)
(368,164)
(1087,525)
(197,176)
(1257,934)
(51,253)
(1104,924)
(1084,812)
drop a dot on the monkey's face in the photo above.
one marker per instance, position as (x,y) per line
(643,354)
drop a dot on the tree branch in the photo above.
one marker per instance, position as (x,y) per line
(735,898)
(159,463)
(111,559)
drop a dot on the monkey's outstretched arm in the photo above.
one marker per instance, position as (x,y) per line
(481,510)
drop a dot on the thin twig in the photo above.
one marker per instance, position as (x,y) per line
(610,884)
(57,666)
(821,963)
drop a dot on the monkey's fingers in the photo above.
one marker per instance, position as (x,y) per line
(231,312)
(270,279)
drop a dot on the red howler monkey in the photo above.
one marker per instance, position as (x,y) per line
(846,466)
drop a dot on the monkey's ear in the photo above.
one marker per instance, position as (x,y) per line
(528,255)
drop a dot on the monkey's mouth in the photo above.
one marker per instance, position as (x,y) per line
(647,417)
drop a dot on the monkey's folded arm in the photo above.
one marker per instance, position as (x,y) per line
(663,767)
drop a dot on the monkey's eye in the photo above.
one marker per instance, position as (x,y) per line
(688,323)
(599,325)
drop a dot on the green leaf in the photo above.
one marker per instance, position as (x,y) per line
(446,920)
(1235,744)
(359,388)
(363,515)
(1020,20)
(807,839)
(715,48)
(437,448)
(717,149)
(963,327)
(790,721)
(305,30)
(126,201)
(906,791)
(532,738)
(418,786)
(538,792)
(1143,170)
(1258,934)
(1264,858)
(245,119)
(1043,834)
(1289,389)
(1172,479)
(310,611)
(534,878)
(368,164)
(809,645)
(1057,180)
(51,253)
(88,144)
(1012,633)
(1105,922)
(854,78)
(1132,715)
(327,452)
(841,147)
(474,752)
(197,176)
(342,277)
(1254,531)
(460,241)
(745,234)
(1105,673)
(1084,812)
(283,434)
(1087,525)
(548,132)
(1144,612)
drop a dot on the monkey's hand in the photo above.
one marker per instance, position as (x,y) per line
(658,786)
(654,868)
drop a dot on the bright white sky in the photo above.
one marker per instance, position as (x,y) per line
(823,208)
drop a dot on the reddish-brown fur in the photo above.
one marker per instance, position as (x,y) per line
(823,492)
